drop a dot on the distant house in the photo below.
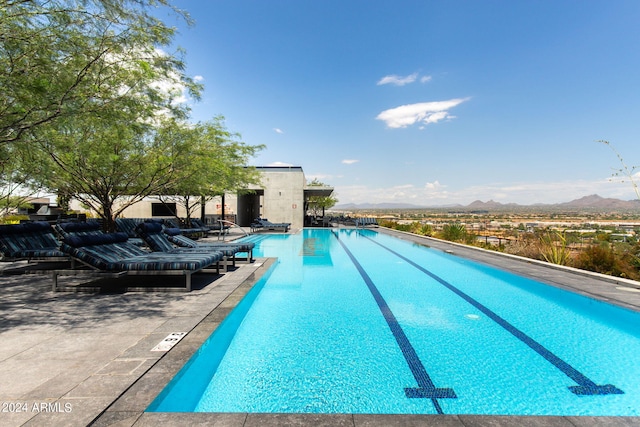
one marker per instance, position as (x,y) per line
(37,203)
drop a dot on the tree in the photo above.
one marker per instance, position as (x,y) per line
(625,171)
(89,95)
(62,58)
(15,178)
(107,165)
(214,162)
(316,205)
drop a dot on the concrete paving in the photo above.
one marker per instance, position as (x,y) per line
(75,359)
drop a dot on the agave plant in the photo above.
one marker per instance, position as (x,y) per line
(554,248)
(454,232)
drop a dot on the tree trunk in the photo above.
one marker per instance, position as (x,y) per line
(108,221)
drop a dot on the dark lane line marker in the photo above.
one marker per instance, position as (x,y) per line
(585,385)
(426,388)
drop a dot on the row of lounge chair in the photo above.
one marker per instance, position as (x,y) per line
(113,254)
(260,224)
(365,221)
(194,229)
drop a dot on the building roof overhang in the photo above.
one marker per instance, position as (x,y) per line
(318,191)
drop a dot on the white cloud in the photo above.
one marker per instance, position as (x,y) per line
(423,112)
(198,78)
(425,79)
(398,80)
(278,130)
(349,161)
(432,185)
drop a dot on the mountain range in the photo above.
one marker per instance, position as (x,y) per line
(592,202)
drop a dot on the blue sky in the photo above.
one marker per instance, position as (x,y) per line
(427,102)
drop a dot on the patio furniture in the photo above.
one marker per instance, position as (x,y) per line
(29,241)
(128,225)
(212,228)
(154,237)
(65,229)
(174,236)
(193,232)
(363,222)
(265,224)
(111,255)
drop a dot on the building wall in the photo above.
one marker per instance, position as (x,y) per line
(283,198)
(143,208)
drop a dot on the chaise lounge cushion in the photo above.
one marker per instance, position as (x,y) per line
(78,241)
(158,242)
(29,240)
(175,236)
(79,227)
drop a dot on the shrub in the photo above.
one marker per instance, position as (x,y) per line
(13,219)
(414,227)
(606,260)
(554,249)
(454,232)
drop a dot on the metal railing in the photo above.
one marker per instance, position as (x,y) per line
(232,224)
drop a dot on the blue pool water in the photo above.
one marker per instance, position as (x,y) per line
(355,321)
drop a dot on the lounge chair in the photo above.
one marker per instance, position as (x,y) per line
(65,229)
(265,224)
(363,222)
(214,228)
(110,254)
(174,236)
(193,232)
(154,237)
(29,241)
(128,225)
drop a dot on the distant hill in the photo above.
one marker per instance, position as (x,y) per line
(355,206)
(595,201)
(592,202)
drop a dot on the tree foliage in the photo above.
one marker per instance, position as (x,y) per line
(107,166)
(213,162)
(316,205)
(15,177)
(454,232)
(62,58)
(94,107)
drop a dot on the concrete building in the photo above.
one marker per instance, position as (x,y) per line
(281,196)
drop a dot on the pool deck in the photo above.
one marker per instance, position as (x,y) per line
(77,359)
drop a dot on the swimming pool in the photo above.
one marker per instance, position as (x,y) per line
(355,321)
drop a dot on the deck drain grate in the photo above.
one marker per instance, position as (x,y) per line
(171,340)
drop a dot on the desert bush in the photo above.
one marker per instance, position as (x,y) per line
(606,259)
(527,245)
(413,227)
